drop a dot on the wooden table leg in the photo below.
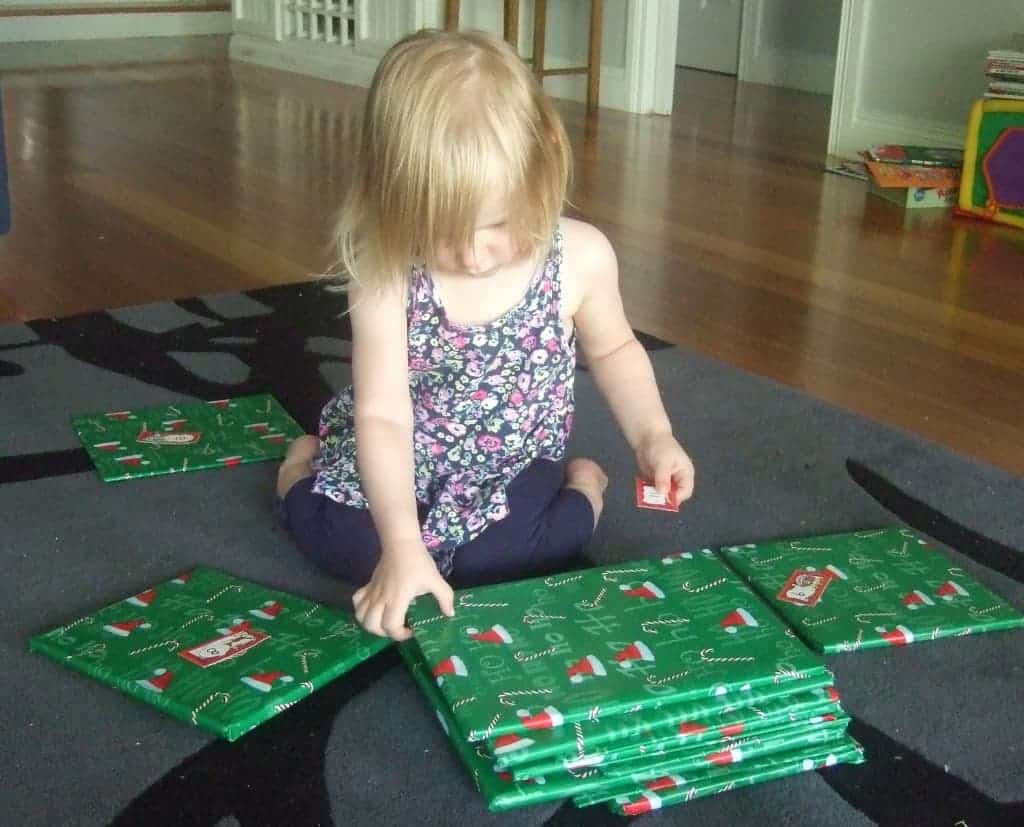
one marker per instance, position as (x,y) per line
(511,26)
(594,61)
(451,15)
(540,18)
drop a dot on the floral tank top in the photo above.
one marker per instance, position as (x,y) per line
(487,401)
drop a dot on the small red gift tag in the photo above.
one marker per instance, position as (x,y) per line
(239,639)
(805,587)
(647,496)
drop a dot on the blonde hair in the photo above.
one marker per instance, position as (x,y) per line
(451,118)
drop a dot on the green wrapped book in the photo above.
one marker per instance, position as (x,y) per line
(667,790)
(193,436)
(503,791)
(604,642)
(696,727)
(878,587)
(212,650)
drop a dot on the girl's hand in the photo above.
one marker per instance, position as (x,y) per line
(663,461)
(404,572)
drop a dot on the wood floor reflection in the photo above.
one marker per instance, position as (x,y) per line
(157,180)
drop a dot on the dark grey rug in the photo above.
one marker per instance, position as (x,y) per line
(941,721)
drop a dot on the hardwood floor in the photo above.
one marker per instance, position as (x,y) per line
(158,180)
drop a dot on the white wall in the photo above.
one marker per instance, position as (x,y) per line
(72,26)
(638,44)
(909,70)
(790,43)
(709,35)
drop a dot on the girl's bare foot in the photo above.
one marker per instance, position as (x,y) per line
(298,463)
(586,476)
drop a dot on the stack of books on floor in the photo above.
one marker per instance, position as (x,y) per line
(641,685)
(1004,69)
(915,176)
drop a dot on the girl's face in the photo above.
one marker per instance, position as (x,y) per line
(492,247)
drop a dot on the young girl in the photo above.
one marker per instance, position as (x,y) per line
(468,295)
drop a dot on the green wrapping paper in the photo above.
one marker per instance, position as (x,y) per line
(673,789)
(504,792)
(189,437)
(499,788)
(738,751)
(212,650)
(520,657)
(882,587)
(697,728)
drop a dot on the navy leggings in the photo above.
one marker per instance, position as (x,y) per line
(546,528)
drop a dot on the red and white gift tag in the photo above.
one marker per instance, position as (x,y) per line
(648,496)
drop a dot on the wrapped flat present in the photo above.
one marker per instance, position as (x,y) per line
(667,790)
(212,650)
(872,588)
(697,729)
(604,642)
(498,787)
(503,791)
(192,436)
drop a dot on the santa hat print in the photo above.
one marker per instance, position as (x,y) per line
(725,757)
(173,424)
(132,460)
(732,730)
(496,634)
(277,439)
(182,578)
(258,427)
(142,599)
(644,804)
(732,621)
(505,744)
(452,666)
(589,666)
(547,718)
(691,728)
(669,559)
(637,650)
(646,590)
(950,590)
(265,681)
(900,636)
(829,692)
(268,611)
(159,682)
(125,627)
(109,446)
(666,782)
(237,625)
(228,462)
(220,403)
(120,416)
(821,719)
(916,599)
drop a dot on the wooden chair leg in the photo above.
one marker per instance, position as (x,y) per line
(451,15)
(540,19)
(511,25)
(594,60)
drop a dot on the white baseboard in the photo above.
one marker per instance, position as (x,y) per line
(867,128)
(345,65)
(97,26)
(340,64)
